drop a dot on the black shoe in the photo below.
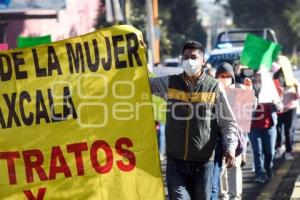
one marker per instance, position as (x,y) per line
(243,163)
(269,175)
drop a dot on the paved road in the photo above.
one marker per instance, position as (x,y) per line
(281,186)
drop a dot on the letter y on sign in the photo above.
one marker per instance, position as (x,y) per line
(40,195)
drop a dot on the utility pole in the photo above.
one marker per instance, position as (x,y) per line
(156,31)
(150,34)
(127,11)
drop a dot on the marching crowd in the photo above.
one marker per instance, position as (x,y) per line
(205,154)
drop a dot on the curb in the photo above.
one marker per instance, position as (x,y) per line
(296,190)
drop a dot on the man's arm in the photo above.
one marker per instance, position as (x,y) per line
(159,86)
(227,123)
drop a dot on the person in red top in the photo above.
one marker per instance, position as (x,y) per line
(263,134)
(286,118)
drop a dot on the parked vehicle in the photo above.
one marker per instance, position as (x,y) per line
(230,44)
(170,66)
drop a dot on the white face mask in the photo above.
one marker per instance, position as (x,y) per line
(225,81)
(190,67)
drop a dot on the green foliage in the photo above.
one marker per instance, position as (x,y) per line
(293,16)
(178,23)
(267,14)
(138,15)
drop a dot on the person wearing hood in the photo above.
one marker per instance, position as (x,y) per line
(227,182)
(196,103)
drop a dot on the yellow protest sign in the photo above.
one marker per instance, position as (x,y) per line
(286,66)
(76,120)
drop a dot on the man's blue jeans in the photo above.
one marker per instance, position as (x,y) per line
(216,178)
(189,180)
(263,144)
(162,138)
(217,170)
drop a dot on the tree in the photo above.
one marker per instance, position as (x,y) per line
(178,23)
(292,13)
(137,16)
(181,23)
(266,14)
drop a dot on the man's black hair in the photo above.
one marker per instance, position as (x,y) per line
(193,45)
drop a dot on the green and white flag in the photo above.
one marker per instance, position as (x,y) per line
(259,53)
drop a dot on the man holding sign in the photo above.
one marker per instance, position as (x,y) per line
(196,106)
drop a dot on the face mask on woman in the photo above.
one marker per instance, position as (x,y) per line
(225,81)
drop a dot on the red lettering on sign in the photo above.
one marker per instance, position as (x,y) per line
(77,149)
(9,157)
(40,195)
(37,165)
(100,144)
(126,154)
(100,155)
(57,155)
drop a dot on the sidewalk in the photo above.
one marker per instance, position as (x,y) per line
(282,184)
